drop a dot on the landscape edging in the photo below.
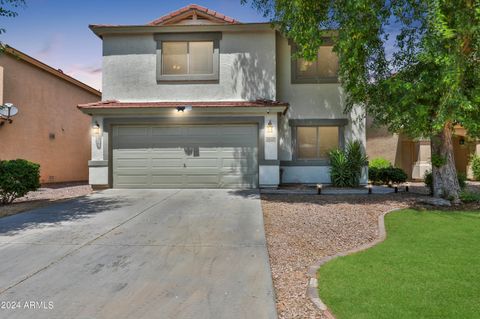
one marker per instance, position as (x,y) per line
(312,288)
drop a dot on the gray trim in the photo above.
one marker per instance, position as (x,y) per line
(189,37)
(296,79)
(97,163)
(318,122)
(269,163)
(305,163)
(108,124)
(192,36)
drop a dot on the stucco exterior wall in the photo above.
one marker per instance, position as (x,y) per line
(310,101)
(47,105)
(247,70)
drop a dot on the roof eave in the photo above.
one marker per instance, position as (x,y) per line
(149,110)
(39,64)
(101,30)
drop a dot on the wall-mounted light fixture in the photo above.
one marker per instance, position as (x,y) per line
(461,141)
(270,127)
(96,129)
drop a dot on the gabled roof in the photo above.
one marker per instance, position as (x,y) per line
(193,12)
(59,73)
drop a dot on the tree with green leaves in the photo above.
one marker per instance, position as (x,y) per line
(414,65)
(9,8)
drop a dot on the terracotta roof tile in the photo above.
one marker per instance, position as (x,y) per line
(115,104)
(164,19)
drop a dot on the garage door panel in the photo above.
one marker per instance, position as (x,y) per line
(203,180)
(185,156)
(164,131)
(130,180)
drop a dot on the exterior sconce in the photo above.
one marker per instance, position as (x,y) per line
(7,111)
(461,141)
(270,127)
(96,129)
(96,132)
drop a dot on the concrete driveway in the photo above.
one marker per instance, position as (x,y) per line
(138,254)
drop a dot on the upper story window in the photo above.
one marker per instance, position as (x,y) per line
(322,70)
(188,57)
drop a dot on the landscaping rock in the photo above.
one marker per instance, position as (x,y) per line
(434,201)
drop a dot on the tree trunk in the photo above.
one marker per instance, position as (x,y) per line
(444,173)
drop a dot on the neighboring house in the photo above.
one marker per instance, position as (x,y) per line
(49,129)
(198,99)
(414,156)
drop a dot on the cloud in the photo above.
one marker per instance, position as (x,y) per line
(51,46)
(89,74)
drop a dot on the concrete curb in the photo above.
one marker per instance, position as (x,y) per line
(312,288)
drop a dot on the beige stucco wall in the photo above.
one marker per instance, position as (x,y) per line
(247,70)
(47,106)
(381,143)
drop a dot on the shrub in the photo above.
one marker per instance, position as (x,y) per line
(387,175)
(346,165)
(462,180)
(469,197)
(17,178)
(379,162)
(428,180)
(395,175)
(475,162)
(339,172)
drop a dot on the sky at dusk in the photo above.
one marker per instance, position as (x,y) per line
(56,31)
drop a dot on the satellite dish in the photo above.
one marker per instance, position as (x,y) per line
(8,110)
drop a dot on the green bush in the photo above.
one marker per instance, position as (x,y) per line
(17,178)
(462,180)
(475,161)
(346,165)
(386,175)
(379,162)
(428,180)
(469,197)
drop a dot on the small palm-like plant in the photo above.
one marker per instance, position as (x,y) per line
(346,165)
(339,171)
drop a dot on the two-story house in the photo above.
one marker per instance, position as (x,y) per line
(197,99)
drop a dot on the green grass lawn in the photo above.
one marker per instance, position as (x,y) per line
(429,267)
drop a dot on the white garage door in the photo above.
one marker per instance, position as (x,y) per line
(193,156)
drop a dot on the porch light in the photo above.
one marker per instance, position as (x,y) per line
(96,129)
(270,127)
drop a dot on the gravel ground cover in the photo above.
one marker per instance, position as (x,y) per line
(301,229)
(44,196)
